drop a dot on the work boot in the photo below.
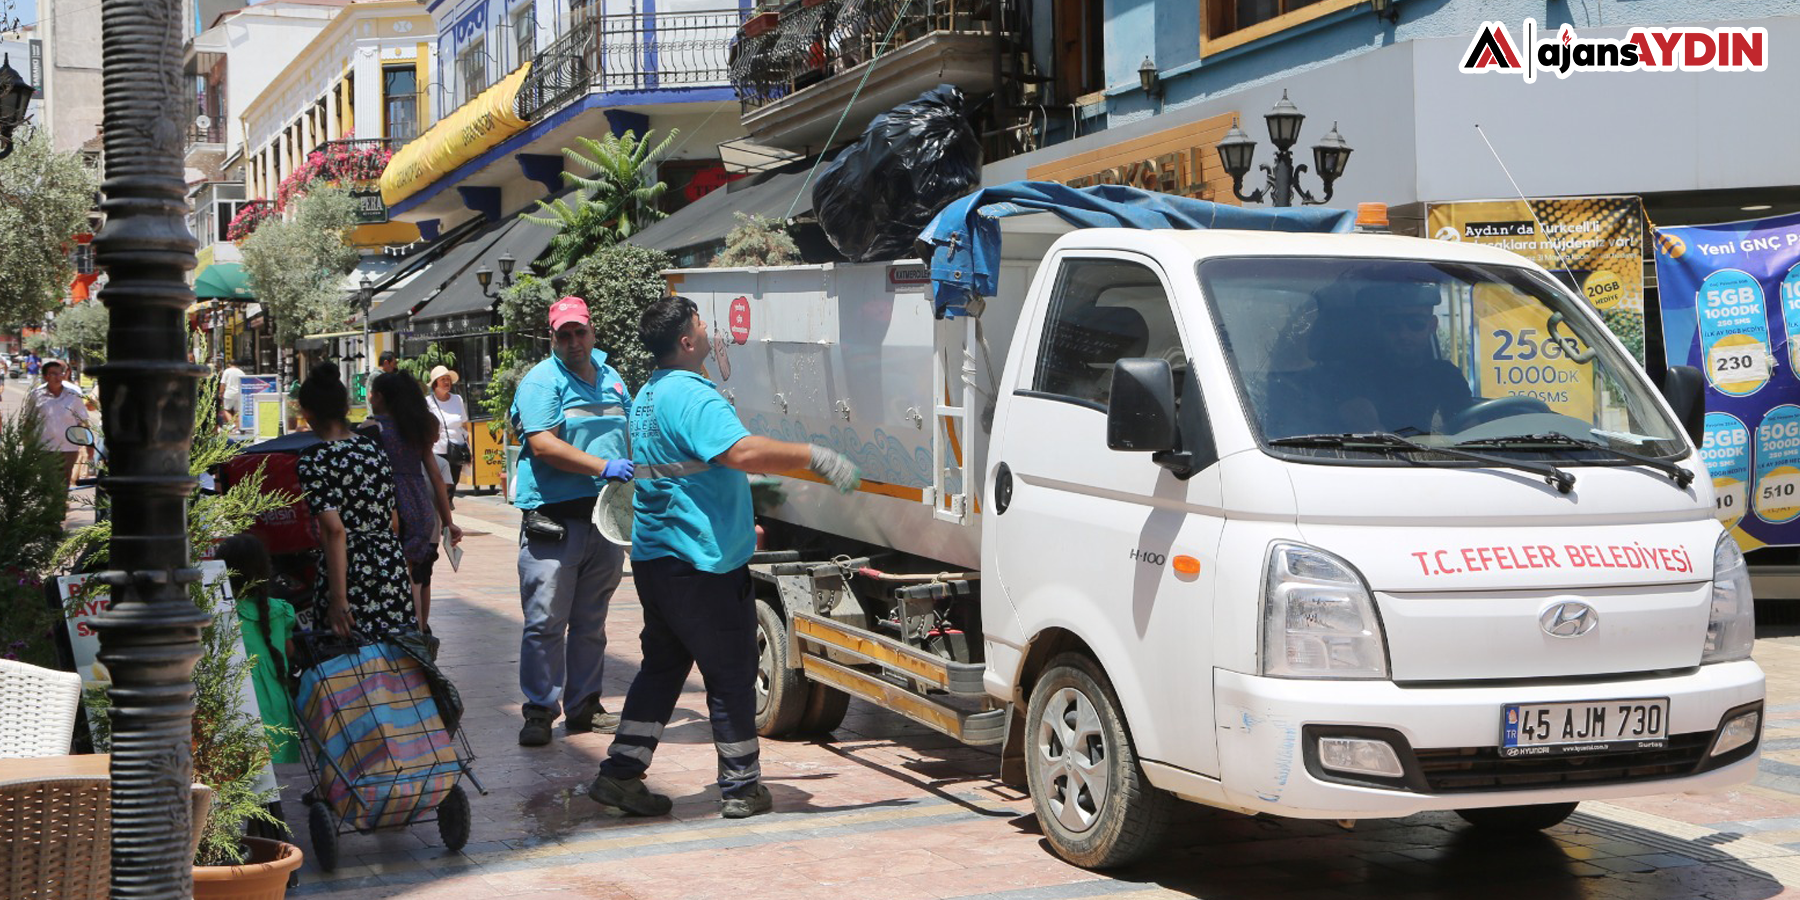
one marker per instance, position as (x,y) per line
(630,795)
(589,715)
(749,803)
(536,732)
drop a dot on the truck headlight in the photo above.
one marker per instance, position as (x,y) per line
(1318,618)
(1731,627)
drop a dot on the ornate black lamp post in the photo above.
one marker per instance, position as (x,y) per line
(365,298)
(484,276)
(15,95)
(150,638)
(1330,155)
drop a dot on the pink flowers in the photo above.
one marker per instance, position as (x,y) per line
(249,215)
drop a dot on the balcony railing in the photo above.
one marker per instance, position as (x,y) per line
(631,53)
(214,133)
(780,53)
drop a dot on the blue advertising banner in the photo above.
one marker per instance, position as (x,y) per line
(1730,297)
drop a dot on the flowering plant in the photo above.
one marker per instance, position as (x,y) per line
(249,215)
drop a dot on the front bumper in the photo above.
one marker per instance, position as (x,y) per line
(1447,738)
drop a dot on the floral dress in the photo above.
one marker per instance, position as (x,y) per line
(352,476)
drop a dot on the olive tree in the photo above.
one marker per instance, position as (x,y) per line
(45,197)
(297,263)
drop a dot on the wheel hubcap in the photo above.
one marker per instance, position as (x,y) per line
(1072,754)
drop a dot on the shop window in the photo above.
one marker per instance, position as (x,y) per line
(524,29)
(1080,48)
(400,102)
(1228,23)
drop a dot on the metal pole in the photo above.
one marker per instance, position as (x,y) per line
(150,637)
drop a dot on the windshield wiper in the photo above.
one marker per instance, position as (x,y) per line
(1387,440)
(1682,476)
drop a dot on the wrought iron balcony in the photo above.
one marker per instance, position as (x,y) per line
(808,41)
(636,52)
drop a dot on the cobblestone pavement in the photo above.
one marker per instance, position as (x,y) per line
(886,810)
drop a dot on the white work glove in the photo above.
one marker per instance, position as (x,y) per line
(835,468)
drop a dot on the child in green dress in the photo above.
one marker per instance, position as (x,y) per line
(266,624)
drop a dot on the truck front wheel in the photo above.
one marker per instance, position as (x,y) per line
(1093,802)
(781,692)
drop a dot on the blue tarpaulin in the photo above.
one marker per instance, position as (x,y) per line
(965,236)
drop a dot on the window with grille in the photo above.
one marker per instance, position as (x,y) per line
(524,25)
(471,67)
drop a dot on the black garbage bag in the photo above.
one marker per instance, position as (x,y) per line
(880,192)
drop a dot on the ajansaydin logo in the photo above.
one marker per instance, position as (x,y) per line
(1679,49)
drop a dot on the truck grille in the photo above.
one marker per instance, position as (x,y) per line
(1454,769)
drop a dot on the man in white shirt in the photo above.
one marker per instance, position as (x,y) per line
(231,394)
(59,405)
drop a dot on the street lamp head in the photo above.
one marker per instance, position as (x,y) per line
(1330,155)
(1148,78)
(506,266)
(484,276)
(1235,151)
(365,292)
(1284,123)
(1386,10)
(15,95)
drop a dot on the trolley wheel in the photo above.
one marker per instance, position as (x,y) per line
(453,819)
(825,708)
(324,835)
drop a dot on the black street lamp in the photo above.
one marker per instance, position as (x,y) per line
(365,297)
(150,635)
(15,96)
(1330,155)
(485,276)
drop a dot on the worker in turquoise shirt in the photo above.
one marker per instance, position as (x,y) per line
(571,410)
(692,536)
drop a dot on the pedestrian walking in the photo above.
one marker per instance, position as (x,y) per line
(388,362)
(231,394)
(692,536)
(452,447)
(571,409)
(266,626)
(350,488)
(406,432)
(59,405)
(33,367)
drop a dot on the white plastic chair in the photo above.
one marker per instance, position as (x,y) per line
(37,710)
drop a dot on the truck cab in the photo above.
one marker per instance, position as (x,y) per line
(1319,525)
(1347,526)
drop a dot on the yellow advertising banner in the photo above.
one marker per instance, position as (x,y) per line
(473,129)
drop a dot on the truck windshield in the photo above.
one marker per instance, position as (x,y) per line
(1489,358)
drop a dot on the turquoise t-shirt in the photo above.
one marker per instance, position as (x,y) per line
(592,417)
(702,518)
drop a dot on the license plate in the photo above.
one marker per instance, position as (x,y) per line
(1594,726)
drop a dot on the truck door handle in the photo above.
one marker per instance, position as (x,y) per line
(1002,488)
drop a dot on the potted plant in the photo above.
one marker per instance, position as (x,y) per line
(230,745)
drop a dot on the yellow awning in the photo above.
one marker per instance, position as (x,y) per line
(473,129)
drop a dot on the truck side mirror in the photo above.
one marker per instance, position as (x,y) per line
(1685,389)
(1140,416)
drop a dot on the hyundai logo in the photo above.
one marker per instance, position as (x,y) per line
(1569,619)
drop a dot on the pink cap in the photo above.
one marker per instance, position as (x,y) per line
(568,309)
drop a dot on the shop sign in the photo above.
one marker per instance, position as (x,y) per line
(370,210)
(1182,160)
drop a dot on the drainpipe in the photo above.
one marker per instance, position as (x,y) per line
(150,637)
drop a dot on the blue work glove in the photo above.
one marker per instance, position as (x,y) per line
(619,469)
(835,468)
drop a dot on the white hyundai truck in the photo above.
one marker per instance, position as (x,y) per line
(1331,526)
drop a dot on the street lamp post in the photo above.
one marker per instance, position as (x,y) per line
(150,634)
(365,297)
(1330,155)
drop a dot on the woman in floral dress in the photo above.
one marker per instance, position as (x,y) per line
(350,488)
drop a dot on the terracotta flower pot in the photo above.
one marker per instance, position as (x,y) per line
(263,876)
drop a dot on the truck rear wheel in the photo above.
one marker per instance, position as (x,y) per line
(1517,818)
(781,692)
(825,708)
(1093,802)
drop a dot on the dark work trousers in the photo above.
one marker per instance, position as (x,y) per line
(692,617)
